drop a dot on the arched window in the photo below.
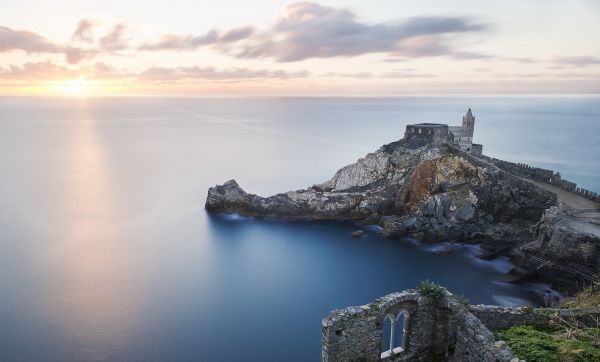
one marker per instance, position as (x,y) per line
(394,334)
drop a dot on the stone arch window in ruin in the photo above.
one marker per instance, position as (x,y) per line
(395,329)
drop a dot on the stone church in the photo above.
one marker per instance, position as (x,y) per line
(460,136)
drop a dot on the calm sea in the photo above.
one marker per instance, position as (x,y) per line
(107,254)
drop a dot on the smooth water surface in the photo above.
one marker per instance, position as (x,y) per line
(106,252)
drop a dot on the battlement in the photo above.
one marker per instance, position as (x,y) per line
(542,175)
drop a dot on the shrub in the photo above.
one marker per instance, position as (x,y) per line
(588,297)
(431,290)
(462,299)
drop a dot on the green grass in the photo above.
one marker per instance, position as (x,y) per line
(535,344)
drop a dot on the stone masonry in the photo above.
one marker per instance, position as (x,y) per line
(445,329)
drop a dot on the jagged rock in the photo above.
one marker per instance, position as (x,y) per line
(565,241)
(465,213)
(428,191)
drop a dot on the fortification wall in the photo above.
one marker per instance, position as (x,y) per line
(543,175)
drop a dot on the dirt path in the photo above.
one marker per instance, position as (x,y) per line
(583,207)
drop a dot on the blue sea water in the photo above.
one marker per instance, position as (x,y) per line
(106,252)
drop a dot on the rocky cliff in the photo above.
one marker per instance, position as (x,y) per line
(425,191)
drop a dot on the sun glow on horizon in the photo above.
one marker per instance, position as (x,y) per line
(75,87)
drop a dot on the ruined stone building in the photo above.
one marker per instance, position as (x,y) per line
(410,326)
(461,136)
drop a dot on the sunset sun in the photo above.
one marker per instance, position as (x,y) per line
(75,87)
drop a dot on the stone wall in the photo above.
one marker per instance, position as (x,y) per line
(477,149)
(355,333)
(496,317)
(445,329)
(430,132)
(473,342)
(543,175)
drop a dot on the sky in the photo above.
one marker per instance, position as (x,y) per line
(272,47)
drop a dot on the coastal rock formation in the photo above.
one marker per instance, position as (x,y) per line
(564,246)
(427,191)
(434,191)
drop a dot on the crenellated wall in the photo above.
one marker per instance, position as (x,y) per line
(543,175)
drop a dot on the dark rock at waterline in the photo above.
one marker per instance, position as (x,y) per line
(358,234)
(492,251)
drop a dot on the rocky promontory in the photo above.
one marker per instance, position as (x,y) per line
(426,191)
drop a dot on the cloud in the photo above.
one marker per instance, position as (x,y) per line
(31,42)
(85,30)
(521,60)
(178,42)
(48,71)
(406,73)
(577,61)
(76,55)
(116,39)
(308,30)
(211,73)
(36,71)
(26,41)
(190,42)
(236,34)
(357,75)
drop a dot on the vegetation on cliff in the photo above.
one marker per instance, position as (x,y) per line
(588,297)
(565,340)
(431,290)
(536,344)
